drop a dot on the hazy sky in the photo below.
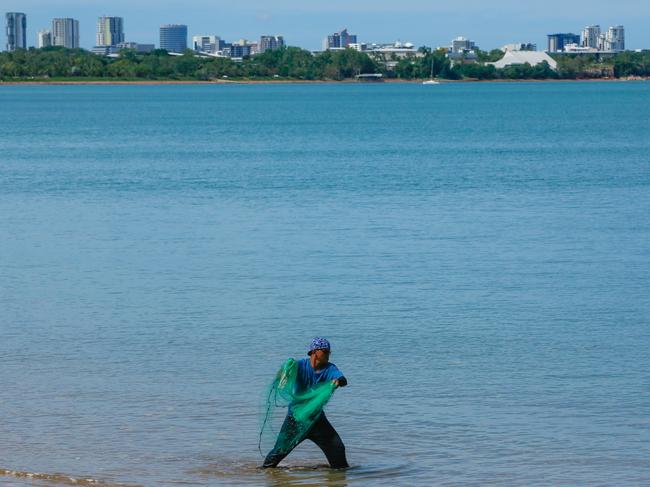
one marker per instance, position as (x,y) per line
(305,23)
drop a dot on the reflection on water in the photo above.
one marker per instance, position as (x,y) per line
(307,477)
(303,475)
(289,475)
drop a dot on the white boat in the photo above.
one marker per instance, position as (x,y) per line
(431,81)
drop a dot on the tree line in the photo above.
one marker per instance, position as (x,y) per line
(299,64)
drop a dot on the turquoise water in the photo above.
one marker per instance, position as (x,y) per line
(477,254)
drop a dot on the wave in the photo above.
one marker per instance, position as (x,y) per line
(61,479)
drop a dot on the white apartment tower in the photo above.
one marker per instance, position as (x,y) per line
(65,32)
(615,38)
(590,36)
(44,38)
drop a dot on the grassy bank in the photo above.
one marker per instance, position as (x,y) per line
(59,65)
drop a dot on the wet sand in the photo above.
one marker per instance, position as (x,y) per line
(59,478)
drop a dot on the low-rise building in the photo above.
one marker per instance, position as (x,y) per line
(462,51)
(104,50)
(137,47)
(236,50)
(388,54)
(557,42)
(524,57)
(579,49)
(206,43)
(523,46)
(461,44)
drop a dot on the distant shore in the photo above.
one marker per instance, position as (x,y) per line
(294,81)
(292,65)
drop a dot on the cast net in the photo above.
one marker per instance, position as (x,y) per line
(304,409)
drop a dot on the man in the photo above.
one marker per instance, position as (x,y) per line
(313,370)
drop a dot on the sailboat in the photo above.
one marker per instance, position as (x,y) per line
(431,81)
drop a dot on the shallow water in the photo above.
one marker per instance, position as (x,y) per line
(477,254)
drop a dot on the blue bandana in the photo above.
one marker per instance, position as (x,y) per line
(319,344)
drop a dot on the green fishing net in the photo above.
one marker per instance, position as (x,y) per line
(305,409)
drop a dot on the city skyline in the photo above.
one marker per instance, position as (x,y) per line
(305,26)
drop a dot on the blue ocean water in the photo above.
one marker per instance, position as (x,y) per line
(478,255)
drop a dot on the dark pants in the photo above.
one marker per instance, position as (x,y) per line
(322,433)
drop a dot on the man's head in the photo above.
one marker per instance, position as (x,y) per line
(319,353)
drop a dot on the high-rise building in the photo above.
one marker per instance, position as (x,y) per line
(208,44)
(590,35)
(65,32)
(556,42)
(16,31)
(110,31)
(339,40)
(44,38)
(270,43)
(615,39)
(173,37)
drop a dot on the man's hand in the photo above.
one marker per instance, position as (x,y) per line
(335,382)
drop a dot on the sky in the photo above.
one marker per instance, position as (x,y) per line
(304,23)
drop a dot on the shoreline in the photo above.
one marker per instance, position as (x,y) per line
(308,82)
